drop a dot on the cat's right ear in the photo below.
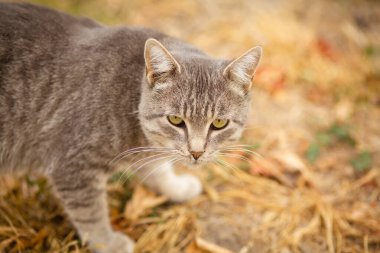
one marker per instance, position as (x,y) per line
(159,63)
(242,69)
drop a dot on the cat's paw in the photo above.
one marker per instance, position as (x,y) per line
(119,243)
(182,188)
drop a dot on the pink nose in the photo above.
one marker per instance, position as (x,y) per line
(196,155)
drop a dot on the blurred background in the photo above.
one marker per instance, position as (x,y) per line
(312,181)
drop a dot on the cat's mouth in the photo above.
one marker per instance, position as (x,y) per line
(195,163)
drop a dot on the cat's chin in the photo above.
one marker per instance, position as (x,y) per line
(192,164)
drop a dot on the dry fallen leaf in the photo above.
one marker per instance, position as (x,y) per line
(210,247)
(142,201)
(193,248)
(292,162)
(268,167)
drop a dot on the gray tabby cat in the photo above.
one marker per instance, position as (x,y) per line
(74,94)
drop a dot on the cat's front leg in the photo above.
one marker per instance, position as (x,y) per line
(162,179)
(83,194)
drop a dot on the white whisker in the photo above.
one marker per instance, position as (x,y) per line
(141,151)
(137,150)
(242,150)
(234,156)
(148,162)
(230,166)
(162,165)
(149,158)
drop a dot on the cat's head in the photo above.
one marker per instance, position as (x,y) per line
(192,103)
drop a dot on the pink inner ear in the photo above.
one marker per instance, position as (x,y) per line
(243,68)
(158,59)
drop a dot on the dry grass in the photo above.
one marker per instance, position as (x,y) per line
(315,118)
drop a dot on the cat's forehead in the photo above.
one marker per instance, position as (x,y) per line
(202,77)
(201,92)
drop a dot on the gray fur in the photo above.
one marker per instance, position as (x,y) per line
(74,94)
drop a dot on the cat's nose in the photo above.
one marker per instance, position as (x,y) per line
(196,155)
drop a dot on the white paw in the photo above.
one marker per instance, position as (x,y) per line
(181,188)
(119,243)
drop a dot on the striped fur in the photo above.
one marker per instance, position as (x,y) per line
(74,94)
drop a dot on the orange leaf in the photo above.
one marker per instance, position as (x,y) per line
(142,201)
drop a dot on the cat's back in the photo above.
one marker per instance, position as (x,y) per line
(37,22)
(27,27)
(31,39)
(56,68)
(31,36)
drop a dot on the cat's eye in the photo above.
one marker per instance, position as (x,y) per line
(175,120)
(219,124)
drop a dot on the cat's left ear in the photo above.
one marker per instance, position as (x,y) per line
(159,62)
(242,69)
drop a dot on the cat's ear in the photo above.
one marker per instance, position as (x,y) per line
(159,62)
(242,69)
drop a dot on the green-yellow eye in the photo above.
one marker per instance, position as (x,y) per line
(175,120)
(219,124)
